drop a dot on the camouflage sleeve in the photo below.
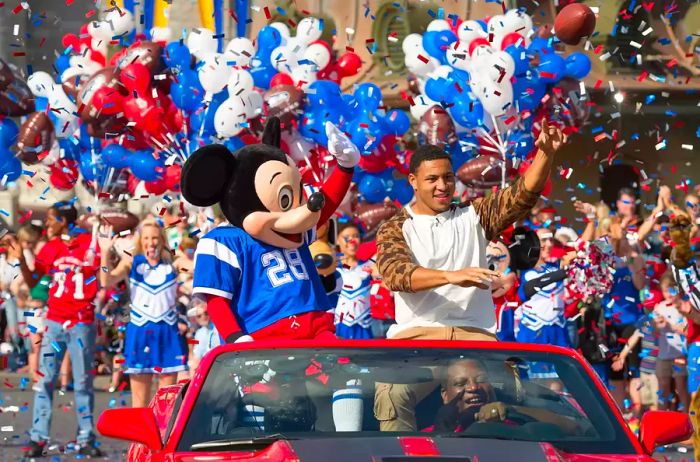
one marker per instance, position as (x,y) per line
(503,208)
(394,258)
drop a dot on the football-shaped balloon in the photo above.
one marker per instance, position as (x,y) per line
(284,102)
(373,215)
(35,136)
(6,75)
(105,84)
(574,22)
(484,172)
(120,220)
(150,54)
(437,126)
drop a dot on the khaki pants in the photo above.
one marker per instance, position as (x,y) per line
(395,404)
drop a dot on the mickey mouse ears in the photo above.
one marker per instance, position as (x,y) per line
(206,173)
(272,134)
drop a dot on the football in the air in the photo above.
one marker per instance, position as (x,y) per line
(484,171)
(120,220)
(574,22)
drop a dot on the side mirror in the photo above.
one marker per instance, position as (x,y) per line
(659,428)
(132,424)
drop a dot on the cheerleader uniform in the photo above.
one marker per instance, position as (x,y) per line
(541,319)
(353,319)
(153,342)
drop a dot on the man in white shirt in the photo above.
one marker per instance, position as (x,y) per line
(433,256)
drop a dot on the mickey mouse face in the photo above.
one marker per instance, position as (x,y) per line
(498,259)
(259,188)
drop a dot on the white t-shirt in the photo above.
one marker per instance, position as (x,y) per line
(671,343)
(450,241)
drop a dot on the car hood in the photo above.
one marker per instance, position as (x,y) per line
(405,449)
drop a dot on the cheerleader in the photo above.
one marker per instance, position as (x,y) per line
(153,343)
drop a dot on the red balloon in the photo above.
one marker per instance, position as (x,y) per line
(512,39)
(349,64)
(64,174)
(281,79)
(156,187)
(476,43)
(136,78)
(172,177)
(107,101)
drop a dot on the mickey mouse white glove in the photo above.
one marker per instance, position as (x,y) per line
(340,146)
(243,339)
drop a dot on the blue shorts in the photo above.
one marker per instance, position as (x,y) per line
(693,367)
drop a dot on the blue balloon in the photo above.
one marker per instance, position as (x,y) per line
(402,191)
(89,168)
(520,144)
(440,89)
(205,115)
(234,143)
(8,132)
(69,150)
(578,65)
(62,62)
(465,148)
(520,58)
(368,95)
(262,70)
(187,93)
(396,122)
(373,186)
(467,112)
(144,166)
(528,92)
(177,55)
(40,104)
(115,156)
(10,166)
(541,46)
(436,42)
(551,68)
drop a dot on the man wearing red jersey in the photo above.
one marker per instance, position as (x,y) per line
(70,258)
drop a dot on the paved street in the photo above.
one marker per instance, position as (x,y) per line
(15,421)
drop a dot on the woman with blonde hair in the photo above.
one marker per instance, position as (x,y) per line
(153,344)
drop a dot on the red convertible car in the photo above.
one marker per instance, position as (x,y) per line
(389,401)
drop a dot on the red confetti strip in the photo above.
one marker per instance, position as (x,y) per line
(17,9)
(424,59)
(642,76)
(193,341)
(267,13)
(90,13)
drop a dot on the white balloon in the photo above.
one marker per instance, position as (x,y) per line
(504,61)
(53,156)
(318,54)
(40,84)
(240,50)
(441,72)
(228,117)
(458,55)
(80,66)
(201,42)
(421,105)
(304,75)
(419,67)
(161,34)
(437,25)
(309,30)
(100,30)
(470,30)
(213,73)
(495,97)
(283,30)
(284,59)
(412,44)
(240,82)
(121,21)
(254,104)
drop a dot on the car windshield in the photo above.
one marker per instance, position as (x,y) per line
(375,392)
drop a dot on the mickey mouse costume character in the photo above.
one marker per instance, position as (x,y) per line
(257,273)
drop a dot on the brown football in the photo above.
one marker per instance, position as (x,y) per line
(120,220)
(284,102)
(437,127)
(35,136)
(484,172)
(574,22)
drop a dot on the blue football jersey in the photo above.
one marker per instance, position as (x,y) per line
(264,283)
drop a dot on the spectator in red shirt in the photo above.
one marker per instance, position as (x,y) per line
(71,258)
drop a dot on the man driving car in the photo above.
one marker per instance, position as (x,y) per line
(468,396)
